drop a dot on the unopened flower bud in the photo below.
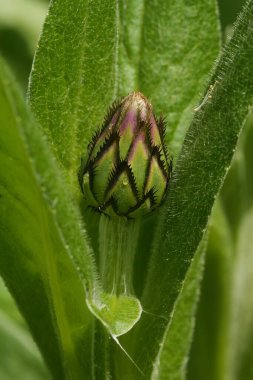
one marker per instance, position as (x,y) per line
(127,170)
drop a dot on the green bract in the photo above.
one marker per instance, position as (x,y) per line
(126,171)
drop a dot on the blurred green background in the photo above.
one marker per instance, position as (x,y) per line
(20,26)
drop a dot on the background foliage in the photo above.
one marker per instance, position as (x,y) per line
(221,348)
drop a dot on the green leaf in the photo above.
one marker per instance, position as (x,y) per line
(224,349)
(17,345)
(71,89)
(38,200)
(166,51)
(173,354)
(39,232)
(70,100)
(202,165)
(133,49)
(163,53)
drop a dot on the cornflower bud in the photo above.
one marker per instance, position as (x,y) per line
(127,170)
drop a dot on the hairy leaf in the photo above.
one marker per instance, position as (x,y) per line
(39,232)
(224,337)
(166,51)
(201,168)
(154,48)
(135,50)
(173,354)
(74,77)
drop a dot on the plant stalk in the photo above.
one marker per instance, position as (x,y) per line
(118,239)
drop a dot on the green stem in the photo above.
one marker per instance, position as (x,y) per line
(117,244)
